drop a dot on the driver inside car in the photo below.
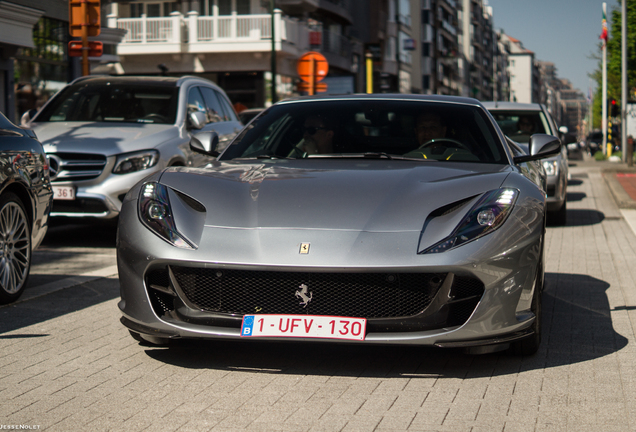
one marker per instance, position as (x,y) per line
(428,127)
(431,129)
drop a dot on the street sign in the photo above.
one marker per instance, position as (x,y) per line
(408,44)
(95,49)
(88,16)
(312,66)
(306,87)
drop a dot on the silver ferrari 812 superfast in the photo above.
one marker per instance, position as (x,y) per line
(367,219)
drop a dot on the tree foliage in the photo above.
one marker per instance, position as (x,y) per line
(614,58)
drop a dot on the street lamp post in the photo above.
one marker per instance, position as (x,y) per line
(624,81)
(273,55)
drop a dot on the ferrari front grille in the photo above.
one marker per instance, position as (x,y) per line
(369,295)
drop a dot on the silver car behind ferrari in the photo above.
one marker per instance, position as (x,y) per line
(368,219)
(103,134)
(519,121)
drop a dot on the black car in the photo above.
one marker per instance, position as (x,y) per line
(25,203)
(594,142)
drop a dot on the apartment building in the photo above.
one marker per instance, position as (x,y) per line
(442,60)
(230,42)
(415,46)
(501,77)
(523,71)
(477,49)
(33,38)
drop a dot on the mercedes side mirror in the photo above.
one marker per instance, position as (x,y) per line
(541,146)
(27,117)
(205,143)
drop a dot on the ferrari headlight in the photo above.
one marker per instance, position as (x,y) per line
(551,167)
(132,162)
(155,213)
(488,214)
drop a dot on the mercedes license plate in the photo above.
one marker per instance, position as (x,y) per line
(304,326)
(63,193)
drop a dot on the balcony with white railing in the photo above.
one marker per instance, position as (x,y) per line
(208,34)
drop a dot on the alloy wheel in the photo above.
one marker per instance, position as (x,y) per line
(15,248)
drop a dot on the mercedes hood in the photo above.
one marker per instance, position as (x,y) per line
(101,138)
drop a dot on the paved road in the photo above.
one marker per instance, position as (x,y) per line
(66,363)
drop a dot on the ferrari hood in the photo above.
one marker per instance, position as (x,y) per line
(102,138)
(377,195)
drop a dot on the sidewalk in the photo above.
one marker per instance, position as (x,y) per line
(620,179)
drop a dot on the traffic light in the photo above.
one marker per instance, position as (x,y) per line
(613,111)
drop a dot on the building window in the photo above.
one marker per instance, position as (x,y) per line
(136,10)
(243,7)
(405,12)
(426,50)
(43,70)
(225,7)
(155,9)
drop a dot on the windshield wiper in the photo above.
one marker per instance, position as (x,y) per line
(377,155)
(264,156)
(366,155)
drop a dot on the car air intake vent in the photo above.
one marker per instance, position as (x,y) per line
(466,294)
(75,166)
(194,204)
(158,282)
(367,295)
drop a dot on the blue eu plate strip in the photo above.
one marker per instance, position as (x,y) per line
(248,325)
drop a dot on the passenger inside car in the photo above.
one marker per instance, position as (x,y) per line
(318,133)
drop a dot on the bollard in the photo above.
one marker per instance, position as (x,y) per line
(630,151)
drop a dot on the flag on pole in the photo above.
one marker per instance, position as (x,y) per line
(603,36)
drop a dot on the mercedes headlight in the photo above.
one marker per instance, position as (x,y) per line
(132,162)
(488,214)
(156,214)
(551,167)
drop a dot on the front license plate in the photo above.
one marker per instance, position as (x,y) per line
(304,326)
(63,193)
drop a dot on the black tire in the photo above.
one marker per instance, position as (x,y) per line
(559,217)
(530,345)
(15,248)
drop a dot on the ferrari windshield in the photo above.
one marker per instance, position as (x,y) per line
(136,103)
(381,128)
